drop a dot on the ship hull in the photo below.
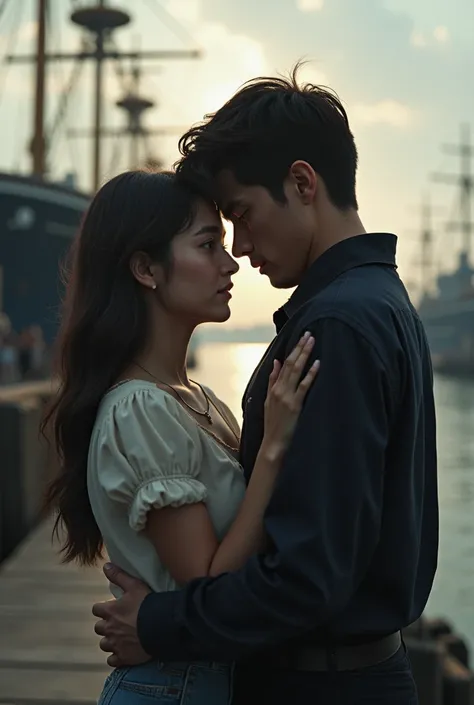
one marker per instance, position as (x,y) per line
(450,330)
(38,221)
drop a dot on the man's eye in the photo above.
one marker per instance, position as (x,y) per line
(242,217)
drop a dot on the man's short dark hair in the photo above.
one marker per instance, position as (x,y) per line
(265,127)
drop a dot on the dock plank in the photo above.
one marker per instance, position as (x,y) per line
(49,653)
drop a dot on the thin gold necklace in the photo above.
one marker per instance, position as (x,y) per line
(205,413)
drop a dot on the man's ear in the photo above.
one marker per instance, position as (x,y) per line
(305,181)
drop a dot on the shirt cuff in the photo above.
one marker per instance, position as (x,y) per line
(158,627)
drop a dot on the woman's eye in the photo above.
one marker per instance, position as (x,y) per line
(211,244)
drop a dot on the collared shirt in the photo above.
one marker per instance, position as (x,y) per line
(353,521)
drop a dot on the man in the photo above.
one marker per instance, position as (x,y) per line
(353,522)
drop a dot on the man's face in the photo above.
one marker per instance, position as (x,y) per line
(276,237)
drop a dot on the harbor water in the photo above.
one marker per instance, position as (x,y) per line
(227,368)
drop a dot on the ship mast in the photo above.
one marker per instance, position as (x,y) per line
(425,241)
(100,21)
(464,180)
(38,141)
(98,98)
(134,105)
(426,246)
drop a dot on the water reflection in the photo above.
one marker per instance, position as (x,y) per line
(453,592)
(227,370)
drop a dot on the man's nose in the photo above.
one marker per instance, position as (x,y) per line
(241,243)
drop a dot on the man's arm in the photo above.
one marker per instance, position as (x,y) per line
(323,521)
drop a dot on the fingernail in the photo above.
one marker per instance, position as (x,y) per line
(107,566)
(316,363)
(306,335)
(310,340)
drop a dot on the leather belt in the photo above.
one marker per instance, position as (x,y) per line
(338,658)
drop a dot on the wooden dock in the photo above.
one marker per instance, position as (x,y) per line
(49,653)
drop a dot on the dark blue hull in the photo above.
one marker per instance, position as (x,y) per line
(450,330)
(37,224)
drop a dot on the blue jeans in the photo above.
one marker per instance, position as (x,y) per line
(155,683)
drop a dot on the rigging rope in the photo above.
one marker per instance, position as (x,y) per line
(171,22)
(12,41)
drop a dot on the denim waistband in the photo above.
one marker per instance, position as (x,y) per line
(221,666)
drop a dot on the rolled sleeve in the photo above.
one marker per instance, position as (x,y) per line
(323,521)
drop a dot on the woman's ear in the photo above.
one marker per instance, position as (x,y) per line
(144,270)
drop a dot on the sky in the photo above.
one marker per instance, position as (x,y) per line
(403,70)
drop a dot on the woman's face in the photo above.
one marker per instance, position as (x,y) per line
(199,282)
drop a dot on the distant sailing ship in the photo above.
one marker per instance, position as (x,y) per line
(448,314)
(38,218)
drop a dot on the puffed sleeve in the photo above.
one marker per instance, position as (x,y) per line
(150,455)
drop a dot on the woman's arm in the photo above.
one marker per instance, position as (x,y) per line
(184,537)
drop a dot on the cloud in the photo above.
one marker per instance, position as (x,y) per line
(229,59)
(441,34)
(420,40)
(386,112)
(309,5)
(184,10)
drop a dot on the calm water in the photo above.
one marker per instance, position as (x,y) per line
(227,368)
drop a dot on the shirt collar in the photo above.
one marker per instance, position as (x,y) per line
(370,248)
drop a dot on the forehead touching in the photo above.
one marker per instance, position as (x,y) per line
(207,220)
(230,194)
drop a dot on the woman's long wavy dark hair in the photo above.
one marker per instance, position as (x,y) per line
(104,327)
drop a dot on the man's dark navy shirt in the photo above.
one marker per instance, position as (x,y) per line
(353,521)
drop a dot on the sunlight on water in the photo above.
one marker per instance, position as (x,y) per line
(227,368)
(453,592)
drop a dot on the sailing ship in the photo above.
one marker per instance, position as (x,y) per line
(448,312)
(38,217)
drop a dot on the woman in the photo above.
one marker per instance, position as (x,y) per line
(148,457)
